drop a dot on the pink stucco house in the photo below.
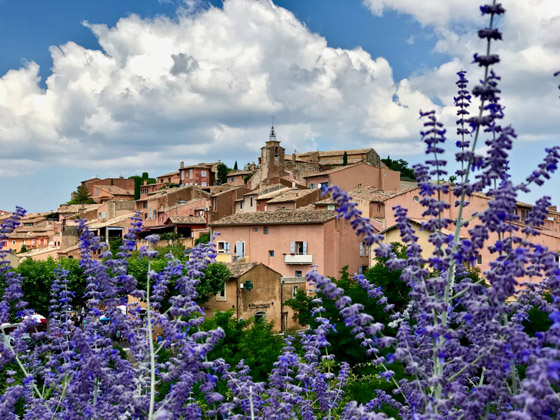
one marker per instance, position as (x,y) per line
(348,177)
(291,241)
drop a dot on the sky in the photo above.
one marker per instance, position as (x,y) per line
(119,87)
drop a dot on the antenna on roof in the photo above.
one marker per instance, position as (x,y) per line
(272,133)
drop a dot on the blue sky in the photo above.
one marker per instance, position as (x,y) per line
(149,83)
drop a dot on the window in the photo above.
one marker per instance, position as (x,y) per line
(271,253)
(255,229)
(239,250)
(265,230)
(203,184)
(362,269)
(312,186)
(299,273)
(182,175)
(330,207)
(13,242)
(298,248)
(478,259)
(364,250)
(294,291)
(223,247)
(416,198)
(203,174)
(190,173)
(241,205)
(251,202)
(154,214)
(231,179)
(379,207)
(260,315)
(276,151)
(144,204)
(95,191)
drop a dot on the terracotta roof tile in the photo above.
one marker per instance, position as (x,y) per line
(237,269)
(278,217)
(291,195)
(187,220)
(113,189)
(331,171)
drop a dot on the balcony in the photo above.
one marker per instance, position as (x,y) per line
(298,259)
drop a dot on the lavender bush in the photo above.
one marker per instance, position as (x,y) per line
(463,343)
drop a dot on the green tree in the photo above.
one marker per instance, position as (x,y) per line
(235,166)
(222,171)
(251,340)
(215,276)
(343,344)
(203,239)
(345,159)
(38,277)
(137,184)
(400,165)
(81,196)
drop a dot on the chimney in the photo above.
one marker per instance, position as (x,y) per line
(181,165)
(145,182)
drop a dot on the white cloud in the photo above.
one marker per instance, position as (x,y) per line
(202,86)
(530,53)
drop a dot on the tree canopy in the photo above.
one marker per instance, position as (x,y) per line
(81,196)
(400,165)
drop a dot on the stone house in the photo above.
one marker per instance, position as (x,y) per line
(103,193)
(170,178)
(255,290)
(201,175)
(150,206)
(125,184)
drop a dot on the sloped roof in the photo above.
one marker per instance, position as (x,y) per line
(237,269)
(187,220)
(338,152)
(98,225)
(113,189)
(76,208)
(273,194)
(332,171)
(169,174)
(291,195)
(278,217)
(236,173)
(370,193)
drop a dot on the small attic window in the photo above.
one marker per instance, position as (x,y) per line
(276,151)
(415,198)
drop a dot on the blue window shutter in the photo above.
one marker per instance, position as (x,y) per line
(292,247)
(305,248)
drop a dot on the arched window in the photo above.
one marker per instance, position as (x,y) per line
(260,316)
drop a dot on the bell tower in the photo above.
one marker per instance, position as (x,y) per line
(272,157)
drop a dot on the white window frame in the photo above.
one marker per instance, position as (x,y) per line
(223,247)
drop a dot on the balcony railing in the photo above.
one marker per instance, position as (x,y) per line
(298,259)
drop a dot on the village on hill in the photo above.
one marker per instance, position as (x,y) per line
(269,220)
